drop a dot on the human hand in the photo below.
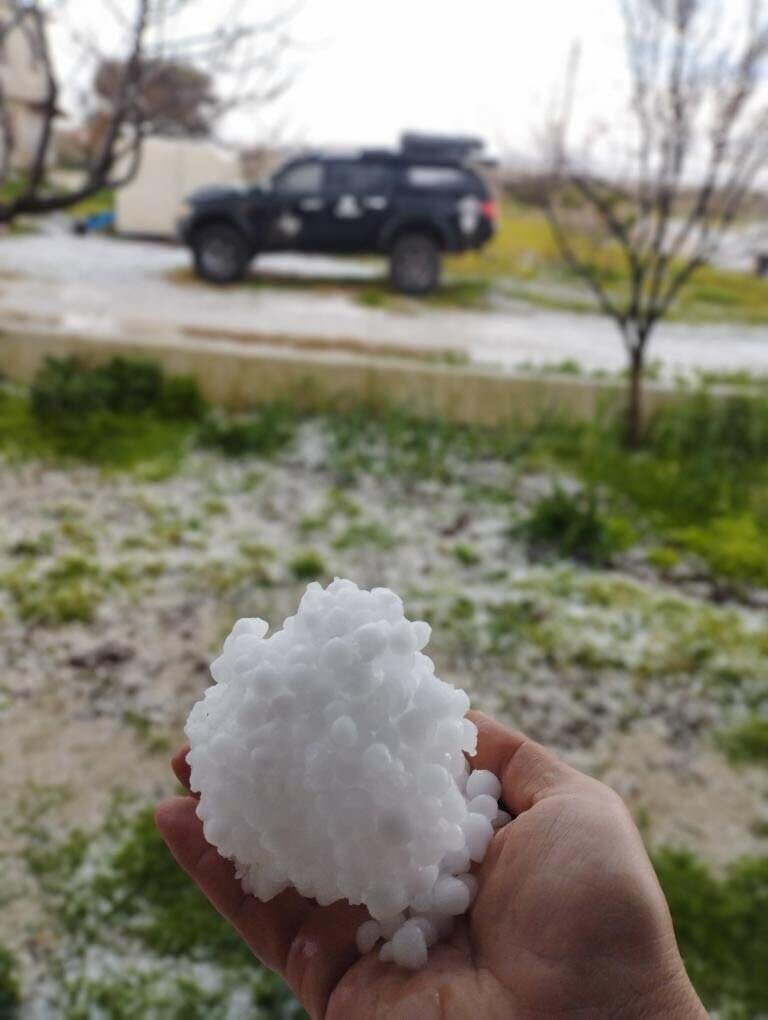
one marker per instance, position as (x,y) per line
(569,919)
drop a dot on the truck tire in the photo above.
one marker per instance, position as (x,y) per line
(415,264)
(221,253)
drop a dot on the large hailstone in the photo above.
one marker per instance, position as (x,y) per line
(331,758)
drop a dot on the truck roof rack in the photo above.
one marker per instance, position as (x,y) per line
(456,148)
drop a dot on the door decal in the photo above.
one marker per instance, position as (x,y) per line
(348,208)
(289,225)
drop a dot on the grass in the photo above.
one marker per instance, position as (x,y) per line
(696,491)
(700,454)
(121,888)
(118,415)
(590,628)
(698,488)
(523,252)
(307,566)
(568,366)
(144,730)
(119,892)
(266,431)
(456,291)
(733,547)
(67,591)
(101,201)
(466,554)
(250,569)
(722,928)
(747,742)
(573,526)
(10,991)
(372,534)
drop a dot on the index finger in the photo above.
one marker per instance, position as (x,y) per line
(527,771)
(181,767)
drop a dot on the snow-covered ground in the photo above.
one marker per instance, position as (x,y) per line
(102,284)
(115,592)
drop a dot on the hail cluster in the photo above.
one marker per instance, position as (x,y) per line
(329,757)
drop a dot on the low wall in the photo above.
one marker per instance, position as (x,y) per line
(237,376)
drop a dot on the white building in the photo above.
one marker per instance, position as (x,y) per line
(170,169)
(23,84)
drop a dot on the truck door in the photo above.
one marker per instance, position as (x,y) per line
(359,193)
(299,211)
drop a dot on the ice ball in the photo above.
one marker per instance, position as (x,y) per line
(330,757)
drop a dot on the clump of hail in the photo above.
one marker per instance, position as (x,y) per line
(329,757)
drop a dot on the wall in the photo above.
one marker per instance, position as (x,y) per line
(235,376)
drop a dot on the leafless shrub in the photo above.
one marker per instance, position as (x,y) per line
(667,179)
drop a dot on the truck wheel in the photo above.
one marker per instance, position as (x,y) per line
(221,254)
(414,264)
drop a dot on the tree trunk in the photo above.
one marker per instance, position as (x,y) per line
(634,422)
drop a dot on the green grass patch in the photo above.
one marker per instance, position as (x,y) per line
(466,555)
(124,414)
(456,291)
(370,534)
(663,558)
(524,252)
(121,890)
(145,731)
(384,440)
(99,202)
(68,591)
(71,588)
(65,388)
(573,526)
(266,431)
(581,625)
(568,366)
(697,487)
(735,548)
(722,928)
(10,989)
(747,742)
(251,569)
(307,566)
(29,548)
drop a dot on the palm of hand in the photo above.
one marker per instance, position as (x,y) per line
(547,934)
(569,917)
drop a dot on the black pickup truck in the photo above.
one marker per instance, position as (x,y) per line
(410,204)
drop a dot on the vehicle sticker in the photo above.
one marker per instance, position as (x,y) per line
(348,208)
(469,214)
(288,225)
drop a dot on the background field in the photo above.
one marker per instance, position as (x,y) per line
(613,605)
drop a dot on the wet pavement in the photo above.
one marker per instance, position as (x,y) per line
(104,285)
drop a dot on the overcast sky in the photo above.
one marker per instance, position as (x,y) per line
(374,67)
(370,68)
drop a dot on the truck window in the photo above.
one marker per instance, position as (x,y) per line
(300,179)
(359,178)
(438,177)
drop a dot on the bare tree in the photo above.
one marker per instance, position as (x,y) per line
(242,53)
(684,156)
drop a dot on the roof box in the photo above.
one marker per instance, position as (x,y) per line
(449,147)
